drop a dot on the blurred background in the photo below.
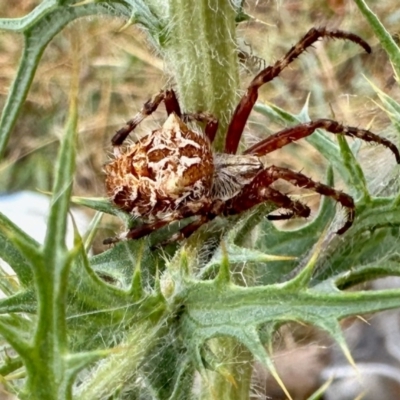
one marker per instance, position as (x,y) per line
(120,71)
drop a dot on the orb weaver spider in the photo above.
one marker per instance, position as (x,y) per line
(173,173)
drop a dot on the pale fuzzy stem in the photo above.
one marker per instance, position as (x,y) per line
(201,56)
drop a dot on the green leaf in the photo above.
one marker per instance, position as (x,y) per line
(23,302)
(120,261)
(57,222)
(354,171)
(390,106)
(17,333)
(10,252)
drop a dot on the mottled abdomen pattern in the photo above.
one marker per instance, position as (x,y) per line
(171,167)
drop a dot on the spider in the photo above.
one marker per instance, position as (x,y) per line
(173,173)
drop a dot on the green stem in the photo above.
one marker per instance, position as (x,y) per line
(239,366)
(382,34)
(201,55)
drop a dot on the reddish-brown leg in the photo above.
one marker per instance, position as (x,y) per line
(138,232)
(171,105)
(195,208)
(291,134)
(295,178)
(259,191)
(189,229)
(207,118)
(247,102)
(148,108)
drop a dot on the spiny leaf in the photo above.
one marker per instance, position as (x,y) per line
(303,278)
(11,253)
(252,342)
(224,274)
(101,204)
(358,181)
(17,336)
(390,106)
(334,329)
(77,362)
(57,221)
(317,395)
(21,302)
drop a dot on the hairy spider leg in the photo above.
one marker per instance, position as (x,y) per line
(148,108)
(291,134)
(199,208)
(171,105)
(295,178)
(189,229)
(259,191)
(138,232)
(246,104)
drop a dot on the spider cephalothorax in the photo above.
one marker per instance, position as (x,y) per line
(172,173)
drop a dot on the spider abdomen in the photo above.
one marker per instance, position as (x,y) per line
(171,167)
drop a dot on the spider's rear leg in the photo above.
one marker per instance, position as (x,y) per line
(295,178)
(247,102)
(259,191)
(207,118)
(293,133)
(171,105)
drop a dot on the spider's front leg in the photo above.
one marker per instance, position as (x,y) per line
(247,102)
(294,133)
(259,191)
(171,105)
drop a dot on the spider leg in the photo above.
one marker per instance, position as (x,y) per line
(295,178)
(171,105)
(207,118)
(291,134)
(138,232)
(259,191)
(247,102)
(188,230)
(198,208)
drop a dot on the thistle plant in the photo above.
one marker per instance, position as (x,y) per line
(147,321)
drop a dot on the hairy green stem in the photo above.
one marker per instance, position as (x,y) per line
(201,55)
(382,34)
